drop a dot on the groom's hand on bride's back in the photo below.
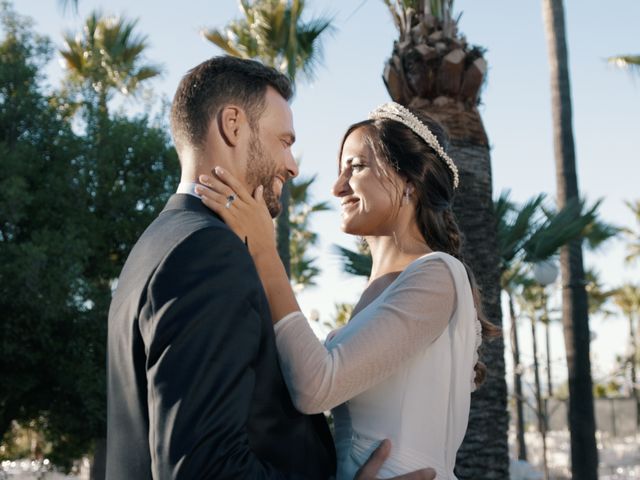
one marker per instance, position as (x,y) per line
(370,469)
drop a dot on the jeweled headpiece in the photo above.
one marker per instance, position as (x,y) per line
(395,111)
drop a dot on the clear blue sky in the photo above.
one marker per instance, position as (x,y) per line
(515,107)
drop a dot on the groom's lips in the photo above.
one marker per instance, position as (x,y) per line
(278,180)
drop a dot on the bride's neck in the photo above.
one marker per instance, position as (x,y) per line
(393,253)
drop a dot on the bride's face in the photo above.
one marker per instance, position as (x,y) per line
(369,190)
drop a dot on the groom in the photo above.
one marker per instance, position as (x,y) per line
(194,386)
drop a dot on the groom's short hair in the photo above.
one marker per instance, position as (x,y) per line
(217,82)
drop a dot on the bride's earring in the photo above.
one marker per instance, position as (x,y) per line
(407,194)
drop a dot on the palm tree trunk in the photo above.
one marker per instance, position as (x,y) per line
(632,360)
(636,380)
(484,452)
(548,348)
(575,313)
(284,230)
(547,333)
(541,413)
(517,383)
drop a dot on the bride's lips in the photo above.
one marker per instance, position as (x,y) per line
(349,203)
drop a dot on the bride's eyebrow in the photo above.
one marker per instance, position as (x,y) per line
(348,161)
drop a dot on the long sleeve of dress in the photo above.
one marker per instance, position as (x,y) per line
(410,314)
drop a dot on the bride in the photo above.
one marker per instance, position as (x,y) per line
(405,365)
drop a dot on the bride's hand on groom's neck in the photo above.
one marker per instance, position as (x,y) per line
(244,212)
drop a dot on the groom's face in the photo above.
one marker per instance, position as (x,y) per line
(270,161)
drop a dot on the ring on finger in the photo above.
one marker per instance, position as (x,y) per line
(230,200)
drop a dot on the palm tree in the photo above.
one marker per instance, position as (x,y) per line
(528,235)
(559,229)
(510,280)
(546,320)
(433,69)
(303,268)
(514,227)
(533,299)
(627,298)
(575,307)
(273,32)
(107,57)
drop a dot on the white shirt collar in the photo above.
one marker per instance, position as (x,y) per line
(188,188)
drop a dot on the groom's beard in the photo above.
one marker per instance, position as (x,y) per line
(262,170)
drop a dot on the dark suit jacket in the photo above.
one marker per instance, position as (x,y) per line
(194,386)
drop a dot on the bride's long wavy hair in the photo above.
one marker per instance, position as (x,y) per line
(398,147)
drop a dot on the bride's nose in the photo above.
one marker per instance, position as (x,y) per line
(341,187)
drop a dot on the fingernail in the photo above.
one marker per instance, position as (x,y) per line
(199,189)
(219,171)
(260,189)
(205,178)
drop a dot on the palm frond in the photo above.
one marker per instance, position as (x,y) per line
(633,247)
(303,268)
(273,32)
(598,296)
(598,232)
(65,4)
(107,54)
(394,13)
(320,207)
(299,188)
(521,227)
(626,61)
(627,298)
(559,229)
(354,262)
(310,52)
(634,207)
(514,225)
(222,41)
(633,253)
(513,275)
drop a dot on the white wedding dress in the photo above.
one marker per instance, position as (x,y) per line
(402,369)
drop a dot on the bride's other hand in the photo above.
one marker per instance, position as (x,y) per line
(370,469)
(247,215)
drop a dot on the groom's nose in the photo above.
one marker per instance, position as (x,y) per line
(292,166)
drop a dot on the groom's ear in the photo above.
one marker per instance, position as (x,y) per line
(231,121)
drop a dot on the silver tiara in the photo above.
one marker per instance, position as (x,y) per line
(395,111)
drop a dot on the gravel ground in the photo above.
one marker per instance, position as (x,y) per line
(619,460)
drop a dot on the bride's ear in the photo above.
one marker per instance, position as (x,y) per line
(230,121)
